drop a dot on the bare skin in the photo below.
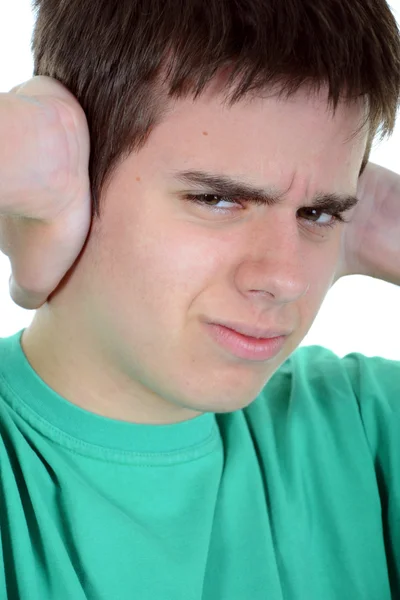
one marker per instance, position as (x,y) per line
(126,322)
(125,335)
(45,210)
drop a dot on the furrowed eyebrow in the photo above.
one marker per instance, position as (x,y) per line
(222,185)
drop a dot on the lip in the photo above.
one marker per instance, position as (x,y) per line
(245,347)
(254,332)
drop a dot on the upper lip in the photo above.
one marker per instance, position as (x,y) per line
(255,332)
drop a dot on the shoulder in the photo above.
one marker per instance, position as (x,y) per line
(317,391)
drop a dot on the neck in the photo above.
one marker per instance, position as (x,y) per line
(84,370)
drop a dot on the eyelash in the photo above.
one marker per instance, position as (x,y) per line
(199,199)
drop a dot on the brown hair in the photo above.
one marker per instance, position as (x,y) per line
(111,54)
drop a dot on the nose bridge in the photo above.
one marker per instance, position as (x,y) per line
(278,266)
(277,233)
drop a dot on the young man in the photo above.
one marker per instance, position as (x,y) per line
(149,451)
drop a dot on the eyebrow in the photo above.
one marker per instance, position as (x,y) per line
(222,185)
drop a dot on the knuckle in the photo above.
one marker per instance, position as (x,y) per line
(56,150)
(67,174)
(65,145)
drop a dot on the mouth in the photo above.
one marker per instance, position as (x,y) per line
(249,331)
(244,346)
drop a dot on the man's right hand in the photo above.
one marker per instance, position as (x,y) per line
(45,202)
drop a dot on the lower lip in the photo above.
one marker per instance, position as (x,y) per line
(246,347)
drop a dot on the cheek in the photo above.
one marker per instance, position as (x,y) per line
(321,264)
(320,278)
(172,270)
(157,270)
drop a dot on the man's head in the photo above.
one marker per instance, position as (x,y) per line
(125,59)
(129,323)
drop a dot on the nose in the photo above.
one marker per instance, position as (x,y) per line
(275,266)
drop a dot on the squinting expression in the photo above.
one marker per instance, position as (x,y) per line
(171,253)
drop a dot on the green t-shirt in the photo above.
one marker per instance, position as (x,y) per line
(296,497)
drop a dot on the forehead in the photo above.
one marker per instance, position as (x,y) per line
(302,125)
(258,107)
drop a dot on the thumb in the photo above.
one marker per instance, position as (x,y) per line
(41,85)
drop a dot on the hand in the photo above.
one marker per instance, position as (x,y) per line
(371,240)
(45,203)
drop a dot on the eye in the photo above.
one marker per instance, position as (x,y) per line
(210,201)
(335,217)
(205,199)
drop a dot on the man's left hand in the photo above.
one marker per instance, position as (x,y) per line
(371,240)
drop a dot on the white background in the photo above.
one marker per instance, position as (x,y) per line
(359,314)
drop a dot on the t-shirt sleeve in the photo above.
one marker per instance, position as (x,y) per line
(376,385)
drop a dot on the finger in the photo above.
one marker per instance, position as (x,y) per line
(25,299)
(15,88)
(41,85)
